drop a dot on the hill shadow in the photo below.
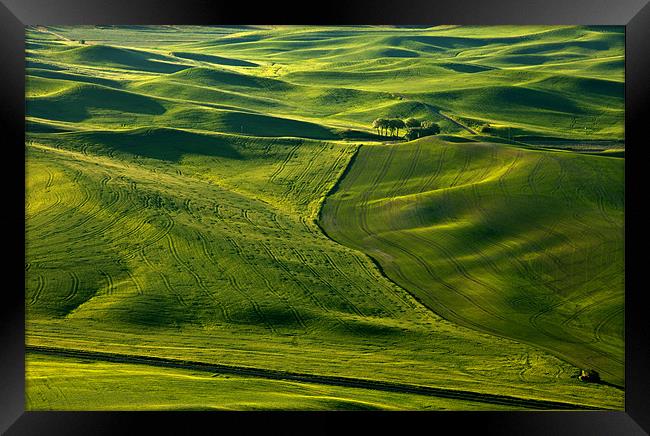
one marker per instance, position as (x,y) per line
(109,56)
(214,59)
(465,68)
(74,104)
(223,78)
(266,125)
(41,65)
(53,74)
(161,143)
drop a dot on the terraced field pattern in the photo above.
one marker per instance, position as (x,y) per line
(213,223)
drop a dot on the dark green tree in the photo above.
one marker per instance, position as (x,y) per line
(395,125)
(386,125)
(381,124)
(429,128)
(412,122)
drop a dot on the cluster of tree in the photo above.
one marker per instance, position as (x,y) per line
(386,126)
(414,127)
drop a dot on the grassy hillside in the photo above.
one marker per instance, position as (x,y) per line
(564,82)
(202,253)
(524,244)
(174,180)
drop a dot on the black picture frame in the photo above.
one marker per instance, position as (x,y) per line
(15,14)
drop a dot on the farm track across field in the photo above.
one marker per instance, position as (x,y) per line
(307,378)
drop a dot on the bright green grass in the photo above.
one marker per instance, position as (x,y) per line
(53,384)
(524,244)
(572,87)
(172,191)
(189,253)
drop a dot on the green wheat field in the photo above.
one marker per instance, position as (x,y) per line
(324,218)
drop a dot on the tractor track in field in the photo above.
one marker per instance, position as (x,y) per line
(283,164)
(588,307)
(317,276)
(364,226)
(554,259)
(74,286)
(426,186)
(577,218)
(154,239)
(271,374)
(485,213)
(110,286)
(434,174)
(276,260)
(305,171)
(413,163)
(280,297)
(97,230)
(137,284)
(332,170)
(462,170)
(333,290)
(50,178)
(58,200)
(39,289)
(197,278)
(457,265)
(91,214)
(403,298)
(233,281)
(346,175)
(423,264)
(336,268)
(365,198)
(162,276)
(533,320)
(507,172)
(517,263)
(606,320)
(75,209)
(532,174)
(532,183)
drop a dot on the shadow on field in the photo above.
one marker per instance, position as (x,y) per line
(116,57)
(54,74)
(214,59)
(78,103)
(160,143)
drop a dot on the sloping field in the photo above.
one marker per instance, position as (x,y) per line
(571,87)
(187,257)
(519,243)
(174,180)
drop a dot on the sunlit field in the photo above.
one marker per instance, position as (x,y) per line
(324,218)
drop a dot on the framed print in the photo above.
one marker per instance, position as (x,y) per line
(376,215)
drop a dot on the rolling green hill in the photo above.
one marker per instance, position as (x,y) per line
(217,196)
(524,244)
